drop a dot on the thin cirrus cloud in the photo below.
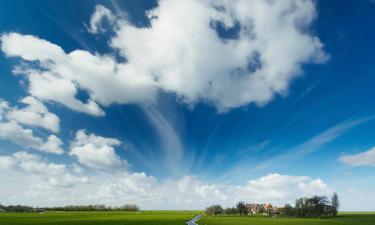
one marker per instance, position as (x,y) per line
(366,158)
(299,151)
(192,60)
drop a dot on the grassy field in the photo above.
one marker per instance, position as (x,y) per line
(170,218)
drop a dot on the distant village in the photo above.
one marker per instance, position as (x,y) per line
(316,206)
(254,208)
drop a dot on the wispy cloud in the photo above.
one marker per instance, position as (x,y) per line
(311,145)
(171,144)
(366,158)
(314,143)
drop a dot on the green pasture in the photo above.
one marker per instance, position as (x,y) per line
(170,218)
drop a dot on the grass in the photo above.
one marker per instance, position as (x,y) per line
(170,218)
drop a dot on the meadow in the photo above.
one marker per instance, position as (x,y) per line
(171,218)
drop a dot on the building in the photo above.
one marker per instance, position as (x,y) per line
(254,208)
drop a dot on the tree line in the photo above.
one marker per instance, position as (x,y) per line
(316,206)
(23,208)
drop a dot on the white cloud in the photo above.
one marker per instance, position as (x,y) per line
(52,145)
(97,18)
(96,151)
(42,181)
(29,47)
(314,187)
(179,52)
(280,189)
(19,135)
(190,59)
(30,163)
(27,177)
(4,106)
(366,158)
(25,137)
(47,86)
(35,115)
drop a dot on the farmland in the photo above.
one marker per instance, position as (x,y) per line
(171,218)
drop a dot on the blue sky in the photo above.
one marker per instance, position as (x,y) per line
(192,104)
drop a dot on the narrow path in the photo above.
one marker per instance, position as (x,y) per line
(194,220)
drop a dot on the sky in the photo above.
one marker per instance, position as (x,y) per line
(184,104)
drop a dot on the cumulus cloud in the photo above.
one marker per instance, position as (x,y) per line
(189,192)
(186,193)
(180,52)
(96,151)
(48,86)
(52,145)
(25,137)
(30,163)
(46,173)
(281,188)
(96,21)
(35,114)
(366,158)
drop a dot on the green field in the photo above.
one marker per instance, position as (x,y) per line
(170,218)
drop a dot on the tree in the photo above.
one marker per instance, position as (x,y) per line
(218,210)
(129,207)
(335,204)
(318,206)
(261,209)
(288,210)
(270,210)
(315,206)
(214,210)
(230,211)
(241,208)
(301,207)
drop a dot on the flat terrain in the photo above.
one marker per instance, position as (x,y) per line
(170,218)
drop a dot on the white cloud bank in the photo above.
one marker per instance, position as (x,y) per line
(366,158)
(42,181)
(13,121)
(28,175)
(180,52)
(280,188)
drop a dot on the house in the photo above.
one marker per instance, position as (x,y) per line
(254,208)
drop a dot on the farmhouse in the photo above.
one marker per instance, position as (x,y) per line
(254,208)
